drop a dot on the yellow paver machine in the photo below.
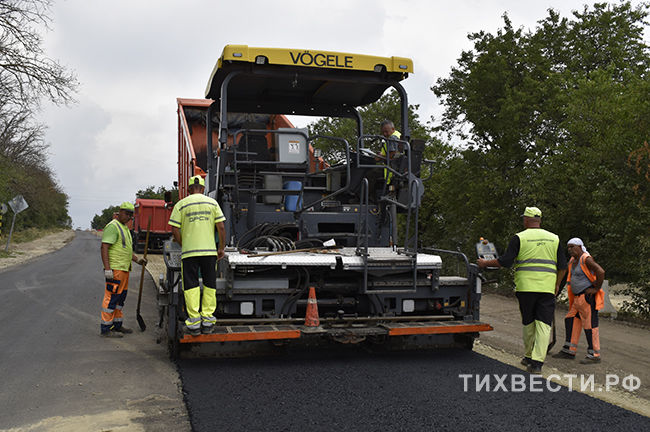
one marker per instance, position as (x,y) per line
(318,250)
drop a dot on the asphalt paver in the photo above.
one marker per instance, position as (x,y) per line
(352,389)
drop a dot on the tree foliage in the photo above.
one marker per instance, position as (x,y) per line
(100,220)
(26,73)
(388,107)
(555,117)
(24,171)
(27,76)
(151,192)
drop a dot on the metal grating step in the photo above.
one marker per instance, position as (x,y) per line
(245,333)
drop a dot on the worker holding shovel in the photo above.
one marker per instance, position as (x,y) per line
(117,255)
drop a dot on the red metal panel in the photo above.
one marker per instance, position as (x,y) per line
(243,336)
(192,147)
(158,212)
(440,329)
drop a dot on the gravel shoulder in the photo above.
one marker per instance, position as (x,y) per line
(625,351)
(24,252)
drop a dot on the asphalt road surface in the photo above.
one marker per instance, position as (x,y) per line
(57,373)
(405,391)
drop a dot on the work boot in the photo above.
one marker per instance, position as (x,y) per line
(590,360)
(191,332)
(564,355)
(207,329)
(534,369)
(124,330)
(111,334)
(525,361)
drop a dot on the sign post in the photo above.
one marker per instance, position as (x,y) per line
(17,204)
(3,210)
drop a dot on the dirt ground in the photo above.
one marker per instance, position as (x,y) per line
(24,252)
(625,350)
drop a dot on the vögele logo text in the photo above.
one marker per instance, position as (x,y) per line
(319,59)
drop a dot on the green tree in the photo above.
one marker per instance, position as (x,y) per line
(151,192)
(550,117)
(28,76)
(100,220)
(387,107)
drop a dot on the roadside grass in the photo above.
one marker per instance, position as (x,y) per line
(9,254)
(28,234)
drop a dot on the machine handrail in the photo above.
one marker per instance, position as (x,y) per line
(470,274)
(363,219)
(348,173)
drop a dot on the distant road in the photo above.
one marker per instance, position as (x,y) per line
(56,370)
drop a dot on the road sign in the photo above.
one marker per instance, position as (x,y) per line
(18,204)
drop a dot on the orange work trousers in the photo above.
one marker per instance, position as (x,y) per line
(114,296)
(582,315)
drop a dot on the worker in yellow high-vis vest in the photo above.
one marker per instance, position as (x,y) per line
(193,223)
(117,255)
(389,147)
(540,265)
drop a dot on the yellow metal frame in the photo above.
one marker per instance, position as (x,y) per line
(314,58)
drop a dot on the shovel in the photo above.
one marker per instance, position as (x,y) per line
(553,338)
(138,317)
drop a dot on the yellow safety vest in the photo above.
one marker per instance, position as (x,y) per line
(536,263)
(384,151)
(196,216)
(120,252)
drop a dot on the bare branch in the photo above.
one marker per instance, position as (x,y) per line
(26,73)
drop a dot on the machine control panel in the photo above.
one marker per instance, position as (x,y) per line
(486,249)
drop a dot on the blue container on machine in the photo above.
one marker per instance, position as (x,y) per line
(292,202)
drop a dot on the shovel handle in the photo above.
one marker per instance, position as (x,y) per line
(146,246)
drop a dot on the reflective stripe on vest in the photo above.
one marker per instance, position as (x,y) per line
(536,263)
(121,232)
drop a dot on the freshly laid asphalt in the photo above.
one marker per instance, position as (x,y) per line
(354,390)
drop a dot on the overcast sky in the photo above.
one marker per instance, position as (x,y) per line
(134,58)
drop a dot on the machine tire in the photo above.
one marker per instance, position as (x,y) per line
(172,332)
(465,341)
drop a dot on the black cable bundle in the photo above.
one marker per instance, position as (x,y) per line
(275,237)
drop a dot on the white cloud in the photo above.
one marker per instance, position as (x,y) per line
(134,58)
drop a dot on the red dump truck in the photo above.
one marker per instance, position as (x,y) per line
(159,210)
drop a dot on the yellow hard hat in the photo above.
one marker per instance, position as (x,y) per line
(197,180)
(532,212)
(127,206)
